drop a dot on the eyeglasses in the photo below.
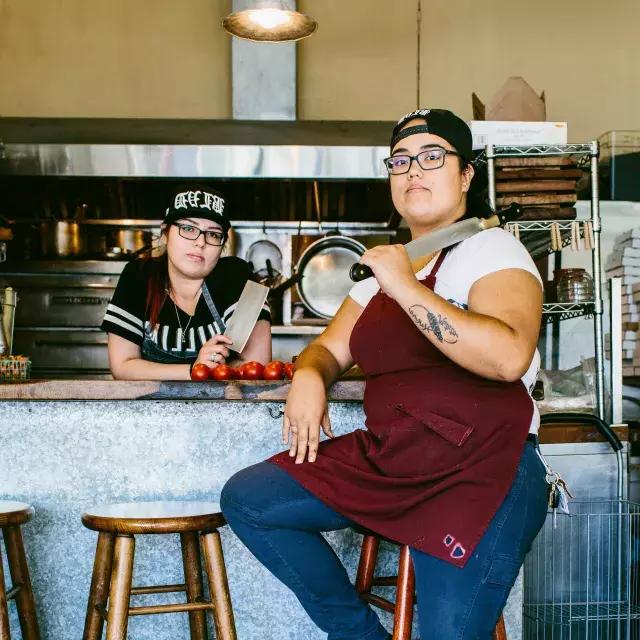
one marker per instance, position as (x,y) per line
(191,232)
(427,160)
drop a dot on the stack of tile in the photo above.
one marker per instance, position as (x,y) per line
(624,262)
(544,186)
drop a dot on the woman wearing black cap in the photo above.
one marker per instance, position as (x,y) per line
(447,463)
(170,312)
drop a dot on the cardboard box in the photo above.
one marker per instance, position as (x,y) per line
(504,132)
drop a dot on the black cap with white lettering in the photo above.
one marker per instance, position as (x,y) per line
(200,203)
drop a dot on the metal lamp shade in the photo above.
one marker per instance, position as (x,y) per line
(269,22)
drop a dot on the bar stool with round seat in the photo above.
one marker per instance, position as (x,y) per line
(117,524)
(404,582)
(12,516)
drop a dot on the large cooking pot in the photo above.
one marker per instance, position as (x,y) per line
(323,273)
(61,239)
(129,240)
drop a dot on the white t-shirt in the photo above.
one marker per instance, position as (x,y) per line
(484,253)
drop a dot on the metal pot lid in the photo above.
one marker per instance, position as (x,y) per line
(325,280)
(262,250)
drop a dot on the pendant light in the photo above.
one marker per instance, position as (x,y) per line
(269,22)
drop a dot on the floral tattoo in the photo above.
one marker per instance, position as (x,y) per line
(429,322)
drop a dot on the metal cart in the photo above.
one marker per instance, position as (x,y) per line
(582,572)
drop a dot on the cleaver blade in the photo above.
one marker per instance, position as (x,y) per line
(445,237)
(245,315)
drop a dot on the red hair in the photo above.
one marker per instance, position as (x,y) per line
(157,274)
(156,271)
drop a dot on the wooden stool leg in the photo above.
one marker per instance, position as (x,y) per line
(4,611)
(367,564)
(20,576)
(99,592)
(193,582)
(218,586)
(500,633)
(120,591)
(403,613)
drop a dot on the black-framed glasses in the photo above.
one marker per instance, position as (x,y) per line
(191,232)
(429,159)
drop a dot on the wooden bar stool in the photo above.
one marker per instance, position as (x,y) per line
(404,583)
(117,524)
(12,516)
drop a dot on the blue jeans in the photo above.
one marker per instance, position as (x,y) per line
(279,521)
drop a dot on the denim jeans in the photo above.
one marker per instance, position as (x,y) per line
(280,522)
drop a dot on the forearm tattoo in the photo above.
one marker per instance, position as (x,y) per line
(429,322)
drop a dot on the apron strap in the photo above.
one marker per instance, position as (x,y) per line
(439,261)
(212,307)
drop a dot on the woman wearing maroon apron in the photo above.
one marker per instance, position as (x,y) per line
(447,461)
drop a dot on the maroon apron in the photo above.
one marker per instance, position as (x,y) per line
(441,445)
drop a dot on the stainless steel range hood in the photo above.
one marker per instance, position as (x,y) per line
(193,149)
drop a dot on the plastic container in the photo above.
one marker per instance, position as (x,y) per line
(574,285)
(619,165)
(14,368)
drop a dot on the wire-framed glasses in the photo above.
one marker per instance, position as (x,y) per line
(429,159)
(191,232)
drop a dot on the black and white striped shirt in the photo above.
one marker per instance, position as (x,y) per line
(126,315)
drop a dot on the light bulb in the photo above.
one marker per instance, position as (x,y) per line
(269,18)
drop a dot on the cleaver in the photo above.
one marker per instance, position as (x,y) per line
(441,238)
(245,316)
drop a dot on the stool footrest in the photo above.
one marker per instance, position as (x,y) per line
(163,588)
(385,581)
(170,608)
(13,592)
(378,601)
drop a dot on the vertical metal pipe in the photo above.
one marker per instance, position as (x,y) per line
(597,280)
(491,175)
(615,344)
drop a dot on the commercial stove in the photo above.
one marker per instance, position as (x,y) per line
(58,317)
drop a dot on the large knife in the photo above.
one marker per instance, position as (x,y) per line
(245,315)
(441,238)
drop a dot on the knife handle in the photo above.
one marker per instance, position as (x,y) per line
(509,214)
(360,272)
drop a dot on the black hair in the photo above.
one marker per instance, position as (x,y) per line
(477,202)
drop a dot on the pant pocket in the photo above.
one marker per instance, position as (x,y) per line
(503,571)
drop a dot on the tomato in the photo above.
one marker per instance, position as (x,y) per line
(251,370)
(200,371)
(289,368)
(273,370)
(222,372)
(235,374)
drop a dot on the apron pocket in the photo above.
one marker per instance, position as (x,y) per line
(454,432)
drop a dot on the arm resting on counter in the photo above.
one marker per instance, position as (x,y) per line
(329,354)
(496,337)
(317,368)
(126,363)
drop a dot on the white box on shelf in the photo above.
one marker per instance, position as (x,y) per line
(507,133)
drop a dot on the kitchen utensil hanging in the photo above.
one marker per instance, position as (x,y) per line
(323,273)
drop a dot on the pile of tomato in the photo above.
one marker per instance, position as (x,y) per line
(275,370)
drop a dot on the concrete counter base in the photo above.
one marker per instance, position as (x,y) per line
(64,456)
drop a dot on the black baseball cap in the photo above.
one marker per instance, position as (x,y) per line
(439,122)
(200,203)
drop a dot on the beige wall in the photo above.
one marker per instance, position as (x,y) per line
(170,58)
(585,54)
(114,58)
